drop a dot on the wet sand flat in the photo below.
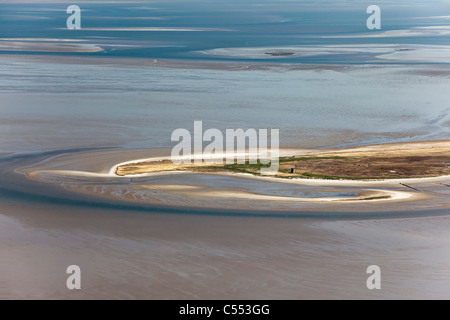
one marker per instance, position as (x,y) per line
(139,256)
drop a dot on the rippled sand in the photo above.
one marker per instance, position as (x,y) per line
(130,255)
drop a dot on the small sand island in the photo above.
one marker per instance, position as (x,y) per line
(391,177)
(392,161)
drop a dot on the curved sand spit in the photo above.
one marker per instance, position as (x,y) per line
(367,191)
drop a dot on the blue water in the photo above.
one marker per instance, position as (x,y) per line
(234,24)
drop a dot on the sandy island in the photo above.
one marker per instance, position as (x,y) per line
(369,174)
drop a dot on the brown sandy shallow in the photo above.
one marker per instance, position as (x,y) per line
(126,255)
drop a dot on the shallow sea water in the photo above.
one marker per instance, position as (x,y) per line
(50,103)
